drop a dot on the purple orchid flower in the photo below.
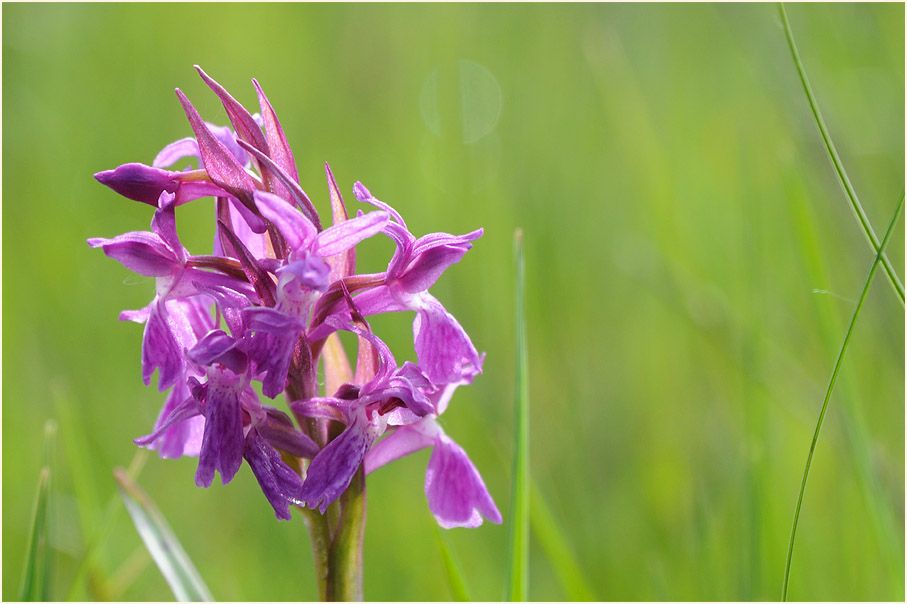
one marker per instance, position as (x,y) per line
(456,493)
(265,306)
(443,348)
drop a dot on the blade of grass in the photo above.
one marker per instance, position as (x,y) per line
(36,574)
(831,385)
(563,561)
(451,568)
(836,162)
(518,572)
(162,544)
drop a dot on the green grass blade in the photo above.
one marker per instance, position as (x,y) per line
(518,575)
(836,162)
(560,555)
(831,385)
(36,574)
(451,568)
(165,549)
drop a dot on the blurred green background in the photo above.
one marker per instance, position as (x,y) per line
(692,265)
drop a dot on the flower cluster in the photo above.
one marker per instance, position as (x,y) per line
(265,307)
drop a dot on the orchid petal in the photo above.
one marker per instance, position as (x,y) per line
(179,427)
(345,235)
(444,350)
(221,165)
(456,494)
(175,151)
(297,230)
(401,442)
(141,252)
(331,471)
(279,483)
(222,443)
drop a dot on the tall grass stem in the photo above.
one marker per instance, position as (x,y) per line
(838,165)
(518,576)
(831,385)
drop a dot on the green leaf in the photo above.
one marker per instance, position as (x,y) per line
(518,572)
(451,568)
(560,555)
(165,549)
(36,576)
(831,385)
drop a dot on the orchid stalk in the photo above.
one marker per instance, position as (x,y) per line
(231,330)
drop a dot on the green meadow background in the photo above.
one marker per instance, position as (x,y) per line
(691,265)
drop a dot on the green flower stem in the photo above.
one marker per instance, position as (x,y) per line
(320,536)
(836,162)
(831,386)
(344,582)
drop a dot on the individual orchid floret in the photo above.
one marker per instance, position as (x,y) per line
(365,410)
(160,254)
(443,348)
(456,493)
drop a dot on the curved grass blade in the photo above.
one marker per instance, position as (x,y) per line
(836,162)
(168,554)
(36,574)
(451,568)
(518,572)
(562,559)
(831,385)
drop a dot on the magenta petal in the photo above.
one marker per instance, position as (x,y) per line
(297,230)
(279,483)
(292,187)
(139,182)
(141,252)
(425,269)
(222,443)
(221,166)
(399,443)
(347,234)
(172,153)
(160,349)
(331,471)
(364,196)
(239,116)
(179,427)
(456,494)
(444,350)
(274,336)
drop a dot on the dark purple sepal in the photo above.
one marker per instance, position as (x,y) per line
(239,116)
(270,345)
(221,166)
(280,433)
(222,443)
(331,471)
(279,483)
(257,276)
